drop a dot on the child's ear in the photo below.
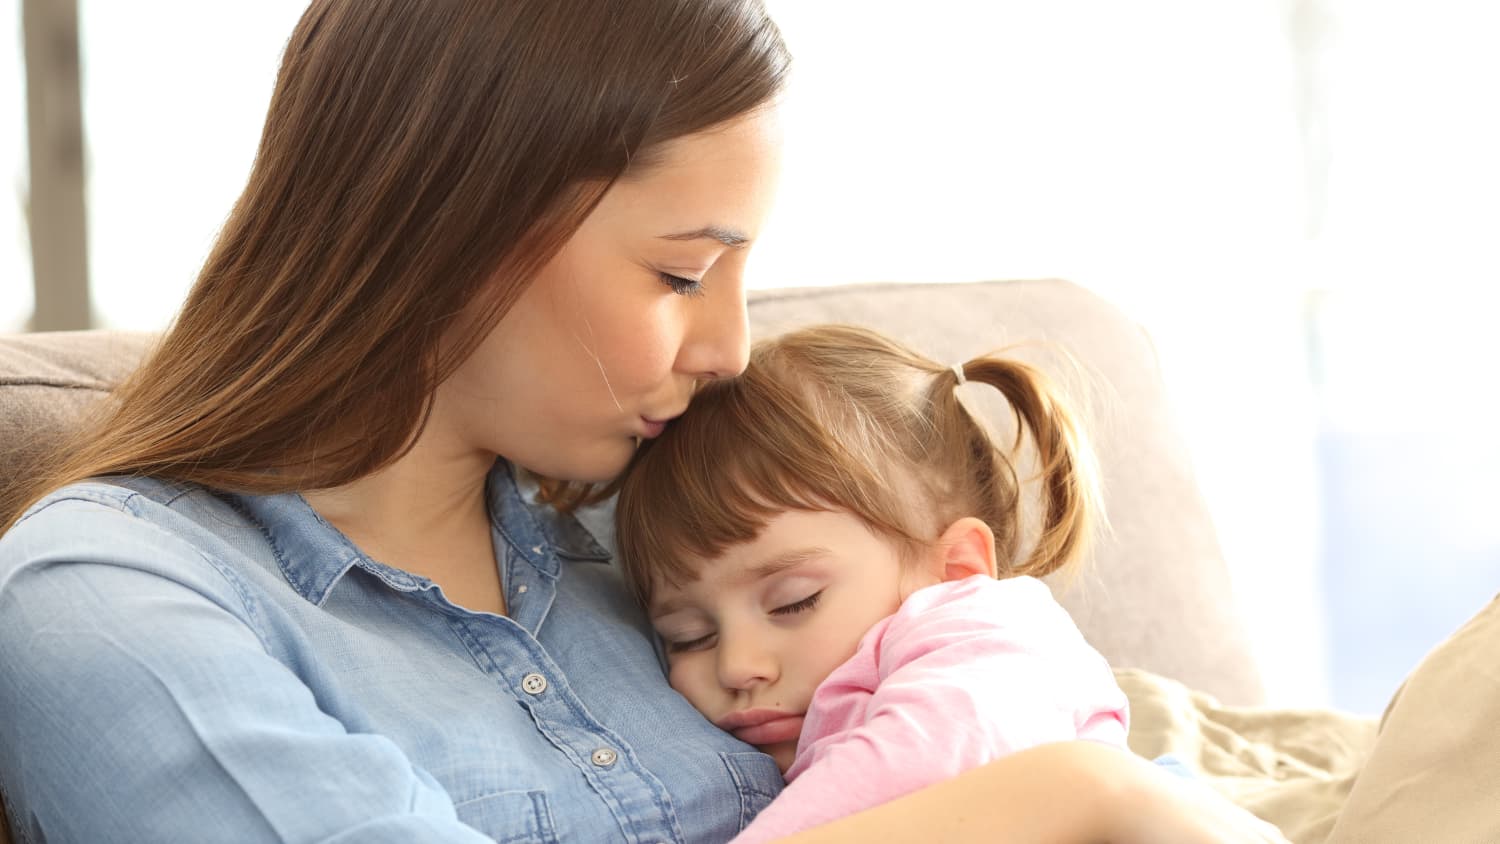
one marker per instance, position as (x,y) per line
(966,548)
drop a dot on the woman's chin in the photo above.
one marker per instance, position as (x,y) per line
(598,465)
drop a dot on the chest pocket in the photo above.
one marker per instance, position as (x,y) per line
(756,778)
(511,817)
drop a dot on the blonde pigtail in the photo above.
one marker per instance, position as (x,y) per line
(1070,495)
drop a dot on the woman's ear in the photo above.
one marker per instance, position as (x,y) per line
(966,548)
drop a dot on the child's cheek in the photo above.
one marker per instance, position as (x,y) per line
(682,677)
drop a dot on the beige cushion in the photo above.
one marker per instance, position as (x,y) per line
(1292,767)
(1434,772)
(1158,595)
(48,379)
(1430,772)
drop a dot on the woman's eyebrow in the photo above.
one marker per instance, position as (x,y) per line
(723,234)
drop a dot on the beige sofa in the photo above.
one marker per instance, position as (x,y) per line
(1156,597)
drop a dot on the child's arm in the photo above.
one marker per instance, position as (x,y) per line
(965,673)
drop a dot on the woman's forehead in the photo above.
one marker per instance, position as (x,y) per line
(723,178)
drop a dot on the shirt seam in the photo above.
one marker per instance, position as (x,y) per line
(247,603)
(127,505)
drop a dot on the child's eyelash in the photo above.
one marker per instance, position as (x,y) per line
(682,286)
(690,645)
(703,641)
(800,606)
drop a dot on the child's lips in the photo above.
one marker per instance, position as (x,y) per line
(771,732)
(762,726)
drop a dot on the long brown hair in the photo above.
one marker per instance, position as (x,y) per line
(842,418)
(421,159)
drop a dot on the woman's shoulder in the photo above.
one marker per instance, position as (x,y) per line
(127,506)
(143,497)
(180,533)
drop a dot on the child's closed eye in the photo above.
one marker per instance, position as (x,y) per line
(799,606)
(701,643)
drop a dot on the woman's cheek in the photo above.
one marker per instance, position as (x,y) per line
(654,351)
(631,364)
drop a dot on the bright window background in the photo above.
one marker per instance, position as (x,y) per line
(1299,200)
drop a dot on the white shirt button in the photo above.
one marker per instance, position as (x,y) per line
(604,757)
(521,590)
(534,684)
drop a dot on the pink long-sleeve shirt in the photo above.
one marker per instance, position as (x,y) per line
(963,673)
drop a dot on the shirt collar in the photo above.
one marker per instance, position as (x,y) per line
(538,532)
(313,554)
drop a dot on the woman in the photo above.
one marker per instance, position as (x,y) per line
(312,600)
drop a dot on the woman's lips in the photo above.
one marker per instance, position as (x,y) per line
(762,726)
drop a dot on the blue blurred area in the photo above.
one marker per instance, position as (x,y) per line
(1411,545)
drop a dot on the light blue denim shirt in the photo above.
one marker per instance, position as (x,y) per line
(183,665)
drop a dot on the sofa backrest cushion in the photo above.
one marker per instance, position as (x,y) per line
(1157,594)
(48,380)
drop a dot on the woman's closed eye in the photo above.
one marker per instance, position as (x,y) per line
(682,286)
(799,606)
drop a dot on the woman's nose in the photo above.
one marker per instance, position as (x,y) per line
(718,342)
(745,663)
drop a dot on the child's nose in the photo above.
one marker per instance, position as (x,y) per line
(743,663)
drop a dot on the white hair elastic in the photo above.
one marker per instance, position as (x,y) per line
(958,369)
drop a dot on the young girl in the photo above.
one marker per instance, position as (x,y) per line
(818,542)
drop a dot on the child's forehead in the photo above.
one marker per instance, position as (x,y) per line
(732,569)
(790,541)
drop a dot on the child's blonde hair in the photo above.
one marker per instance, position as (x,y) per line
(836,417)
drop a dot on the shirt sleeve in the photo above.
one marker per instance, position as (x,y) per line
(141,704)
(957,678)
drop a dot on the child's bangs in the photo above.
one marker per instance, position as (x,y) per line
(749,449)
